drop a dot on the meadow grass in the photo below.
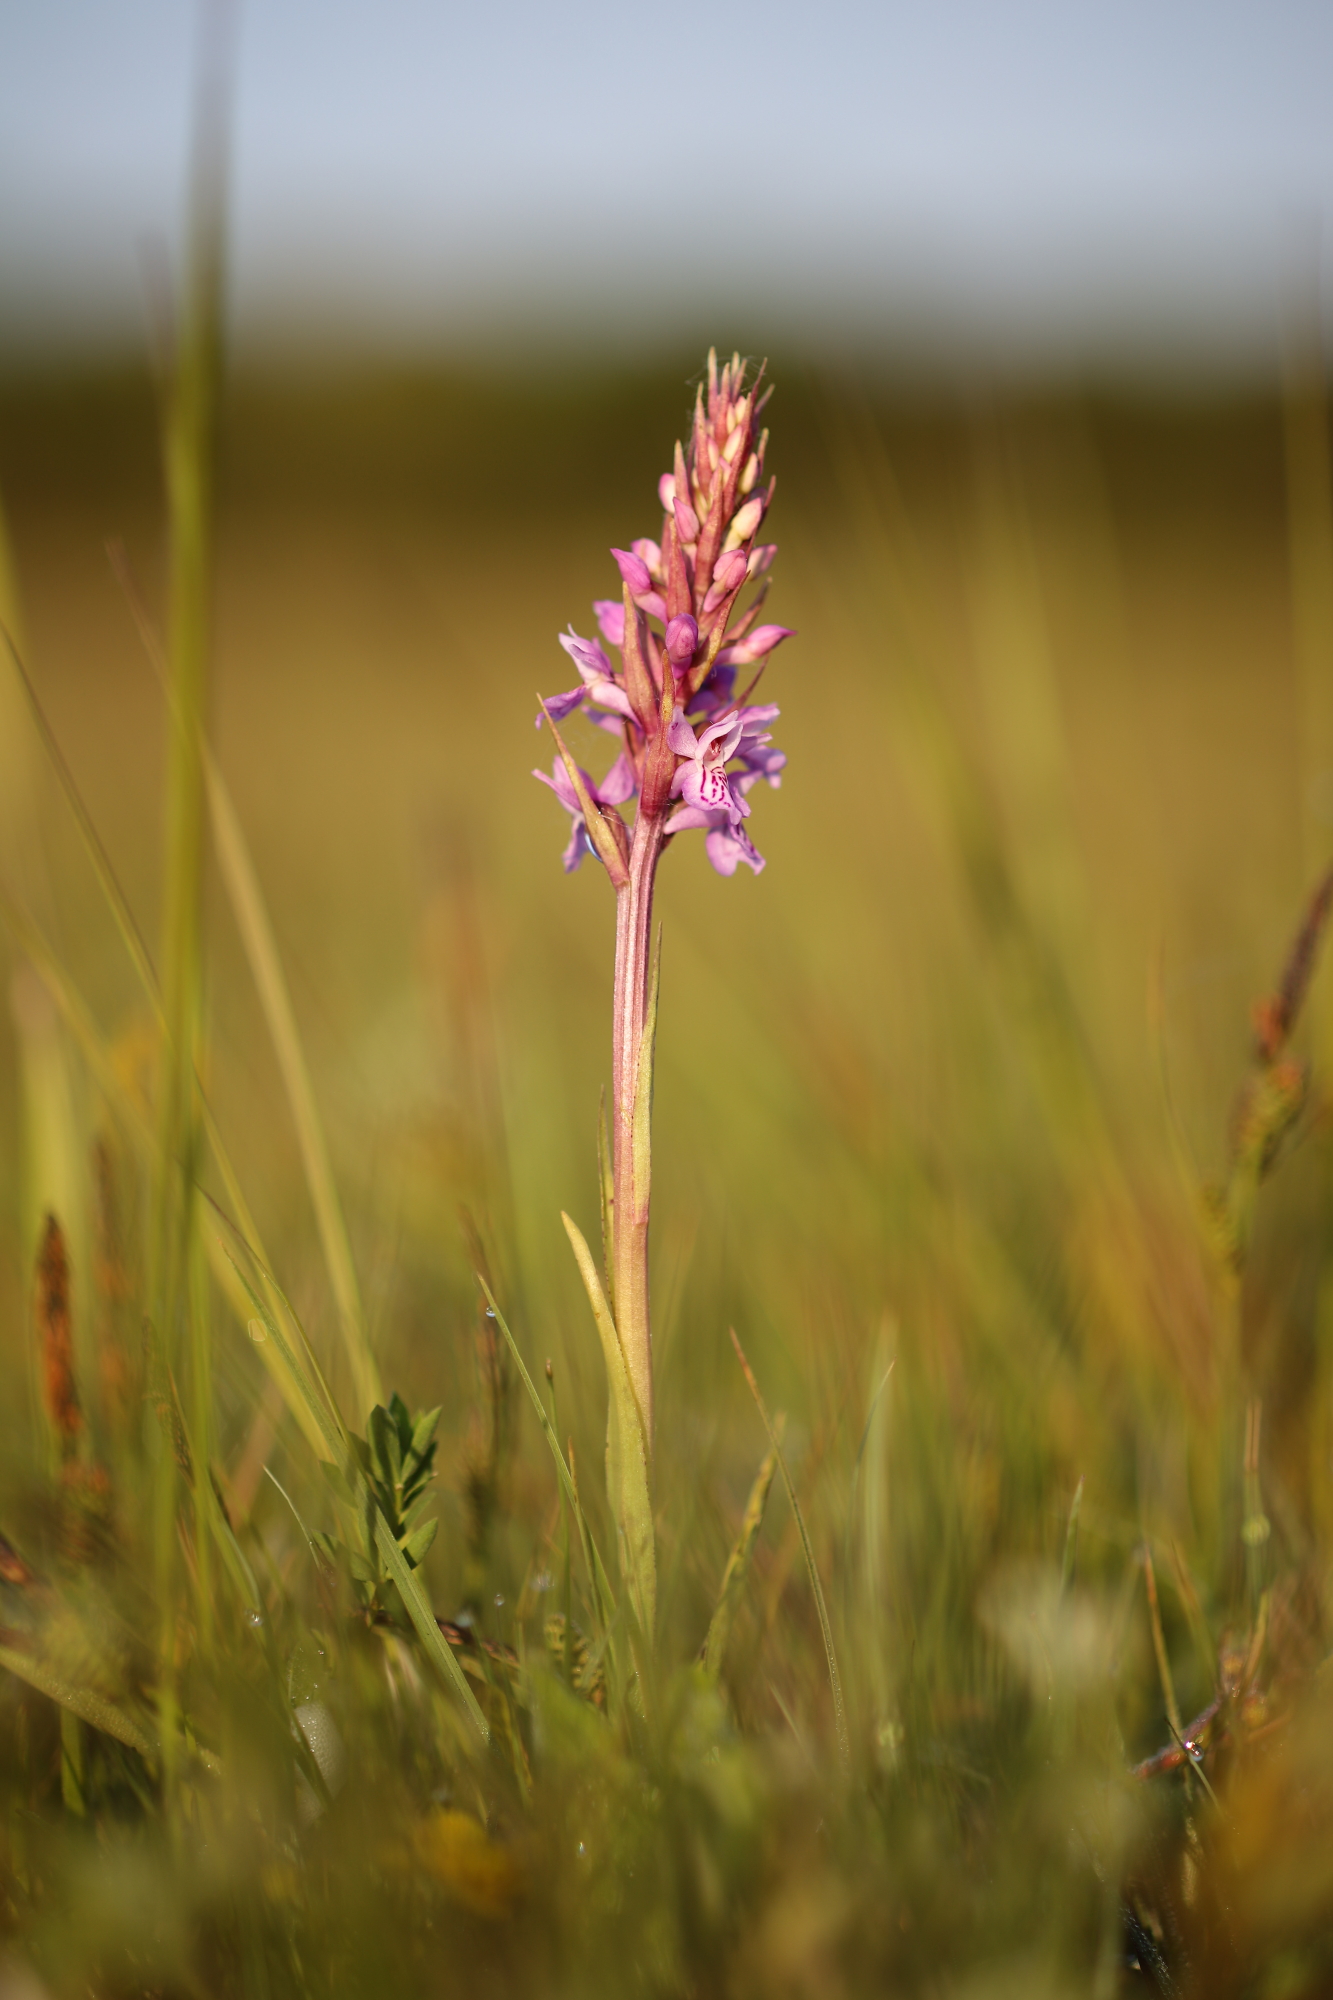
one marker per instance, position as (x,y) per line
(961,1124)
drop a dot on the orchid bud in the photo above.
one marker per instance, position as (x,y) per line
(756,645)
(729,574)
(687,522)
(650,553)
(666,491)
(682,636)
(761,557)
(747,520)
(633,570)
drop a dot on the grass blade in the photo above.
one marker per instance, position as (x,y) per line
(83,1702)
(236,866)
(738,1562)
(242,885)
(600,1581)
(835,1678)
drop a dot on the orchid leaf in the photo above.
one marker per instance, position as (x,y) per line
(626,1445)
(606,1181)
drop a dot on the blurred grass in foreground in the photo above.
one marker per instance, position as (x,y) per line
(942,1089)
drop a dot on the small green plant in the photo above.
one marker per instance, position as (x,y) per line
(397,1461)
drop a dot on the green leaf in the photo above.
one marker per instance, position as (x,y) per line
(606,1180)
(386,1451)
(83,1702)
(626,1446)
(411,1515)
(423,1431)
(417,1543)
(337,1483)
(423,1619)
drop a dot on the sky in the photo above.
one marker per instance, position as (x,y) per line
(946,174)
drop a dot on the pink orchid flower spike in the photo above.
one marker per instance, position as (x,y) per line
(689,749)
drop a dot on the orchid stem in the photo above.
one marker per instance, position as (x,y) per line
(632,1056)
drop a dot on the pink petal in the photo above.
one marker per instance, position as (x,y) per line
(682,636)
(680,737)
(561,705)
(687,522)
(619,783)
(755,645)
(610,615)
(586,654)
(727,846)
(633,571)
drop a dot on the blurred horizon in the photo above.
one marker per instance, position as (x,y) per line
(947,190)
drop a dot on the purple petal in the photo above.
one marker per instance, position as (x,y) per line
(727,576)
(705,786)
(719,740)
(755,645)
(650,554)
(633,571)
(619,783)
(727,846)
(687,521)
(558,706)
(579,845)
(685,818)
(610,694)
(587,655)
(680,737)
(762,762)
(610,615)
(561,784)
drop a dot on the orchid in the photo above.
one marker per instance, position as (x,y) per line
(691,751)
(614,789)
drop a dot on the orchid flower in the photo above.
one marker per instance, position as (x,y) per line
(692,753)
(618,785)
